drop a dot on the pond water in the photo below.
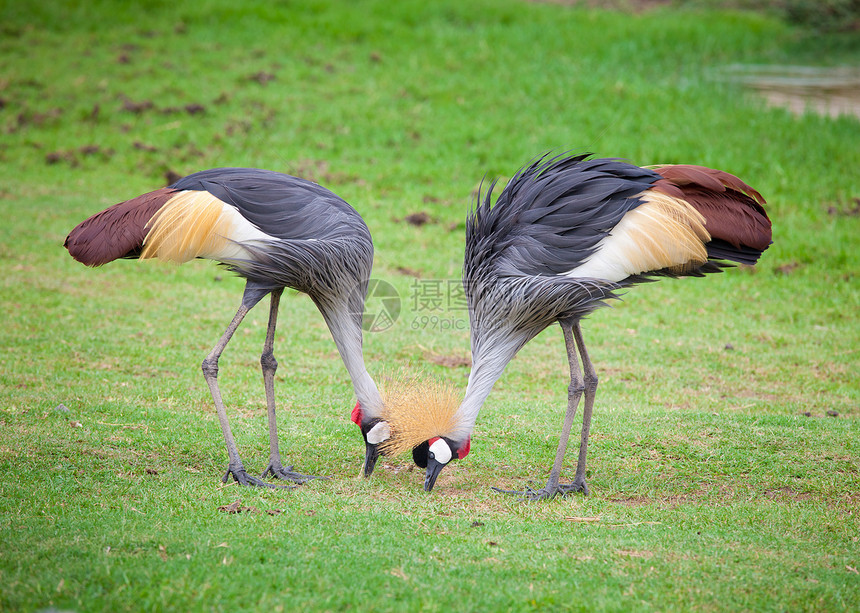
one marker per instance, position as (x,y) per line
(827,91)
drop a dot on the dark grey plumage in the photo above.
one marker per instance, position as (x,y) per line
(274,230)
(565,234)
(551,215)
(547,221)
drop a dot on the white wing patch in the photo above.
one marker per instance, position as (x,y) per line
(196,224)
(662,232)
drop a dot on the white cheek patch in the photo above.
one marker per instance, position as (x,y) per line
(441,451)
(378,433)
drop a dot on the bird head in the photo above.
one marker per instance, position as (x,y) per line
(423,418)
(435,454)
(375,431)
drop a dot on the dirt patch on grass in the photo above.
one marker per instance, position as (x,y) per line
(845,210)
(417,219)
(320,171)
(785,493)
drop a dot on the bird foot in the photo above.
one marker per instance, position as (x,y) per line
(549,491)
(530,493)
(287,473)
(241,476)
(578,485)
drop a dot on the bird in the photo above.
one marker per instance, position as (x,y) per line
(565,234)
(276,231)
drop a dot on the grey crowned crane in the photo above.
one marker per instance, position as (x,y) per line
(565,235)
(276,231)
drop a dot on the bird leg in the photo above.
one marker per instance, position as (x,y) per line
(574,393)
(591,381)
(270,365)
(210,373)
(579,484)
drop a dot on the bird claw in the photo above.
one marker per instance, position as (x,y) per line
(529,494)
(548,493)
(578,485)
(543,493)
(241,476)
(287,474)
(515,492)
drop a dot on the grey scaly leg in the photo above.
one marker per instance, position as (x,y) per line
(210,373)
(574,393)
(270,365)
(579,483)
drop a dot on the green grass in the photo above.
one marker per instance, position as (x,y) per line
(710,488)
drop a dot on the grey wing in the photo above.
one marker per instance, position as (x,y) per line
(550,217)
(287,207)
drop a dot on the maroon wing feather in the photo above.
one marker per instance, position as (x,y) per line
(733,211)
(116,232)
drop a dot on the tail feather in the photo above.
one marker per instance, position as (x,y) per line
(117,232)
(721,250)
(734,213)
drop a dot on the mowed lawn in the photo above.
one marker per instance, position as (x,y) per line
(724,462)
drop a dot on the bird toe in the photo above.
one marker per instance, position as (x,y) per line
(288,474)
(241,476)
(578,485)
(530,494)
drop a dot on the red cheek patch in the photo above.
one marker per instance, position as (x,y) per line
(463,451)
(356,414)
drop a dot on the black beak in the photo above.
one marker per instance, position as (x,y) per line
(433,470)
(371,455)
